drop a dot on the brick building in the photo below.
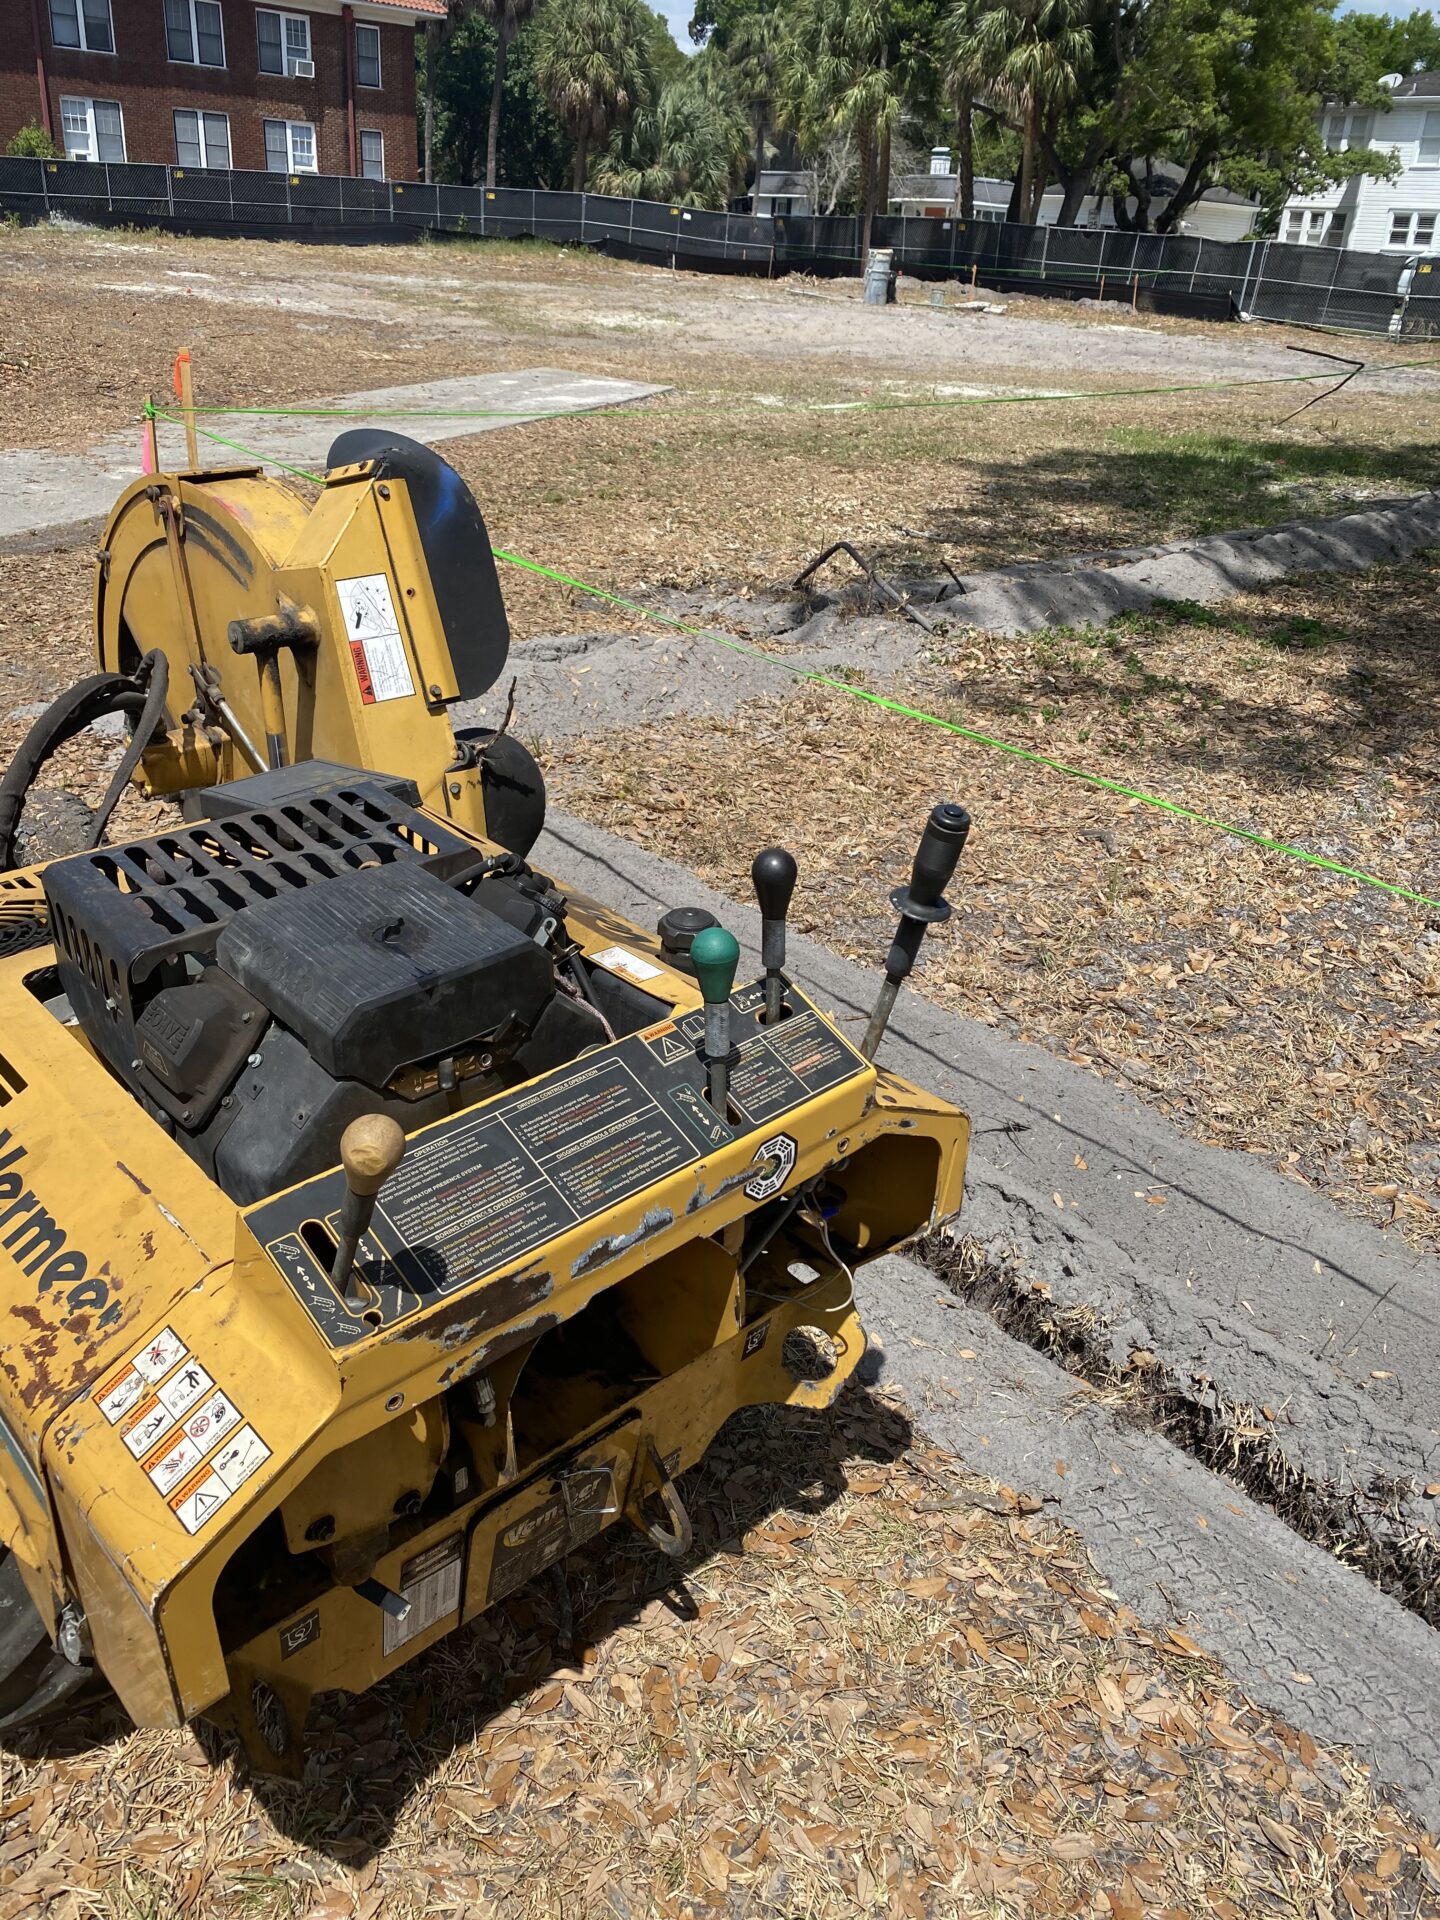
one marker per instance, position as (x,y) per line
(323,87)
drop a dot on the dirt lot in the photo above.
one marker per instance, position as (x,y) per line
(887,1704)
(1260,1003)
(880,1689)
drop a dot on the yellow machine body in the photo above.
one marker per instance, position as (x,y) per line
(186,555)
(233,1484)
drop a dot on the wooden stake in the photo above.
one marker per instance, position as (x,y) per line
(185,394)
(1102,287)
(974,275)
(1135,294)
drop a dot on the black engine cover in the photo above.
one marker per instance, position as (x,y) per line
(384,967)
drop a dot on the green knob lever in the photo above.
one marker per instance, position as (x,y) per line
(715,954)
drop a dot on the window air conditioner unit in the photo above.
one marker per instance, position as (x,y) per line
(304,69)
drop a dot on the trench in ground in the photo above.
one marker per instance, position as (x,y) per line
(1371,1527)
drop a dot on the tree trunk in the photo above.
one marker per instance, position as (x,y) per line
(965,140)
(431,42)
(492,140)
(882,184)
(581,156)
(1187,193)
(1076,188)
(1027,161)
(867,192)
(759,157)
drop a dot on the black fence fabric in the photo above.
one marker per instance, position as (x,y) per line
(1266,279)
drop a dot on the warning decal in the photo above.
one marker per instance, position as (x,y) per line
(171,1416)
(373,632)
(621,960)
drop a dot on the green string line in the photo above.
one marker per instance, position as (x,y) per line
(1027,754)
(816,406)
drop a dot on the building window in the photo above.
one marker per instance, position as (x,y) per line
(1346,130)
(1415,230)
(290,146)
(201,139)
(1314,227)
(367,56)
(93,129)
(285,43)
(194,36)
(1429,155)
(372,155)
(85,24)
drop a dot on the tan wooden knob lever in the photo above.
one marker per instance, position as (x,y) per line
(371,1148)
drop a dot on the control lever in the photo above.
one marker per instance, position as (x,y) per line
(715,954)
(371,1148)
(920,905)
(774,876)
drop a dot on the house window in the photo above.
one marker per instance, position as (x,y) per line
(93,129)
(1346,130)
(85,24)
(1429,154)
(194,36)
(201,139)
(367,56)
(284,41)
(1412,230)
(289,146)
(1314,227)
(372,155)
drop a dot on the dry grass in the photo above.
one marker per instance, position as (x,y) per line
(1262,1004)
(875,1691)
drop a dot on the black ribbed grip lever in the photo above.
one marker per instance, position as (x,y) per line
(920,905)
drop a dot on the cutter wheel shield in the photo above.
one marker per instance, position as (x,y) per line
(380,1218)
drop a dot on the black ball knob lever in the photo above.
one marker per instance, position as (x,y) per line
(774,873)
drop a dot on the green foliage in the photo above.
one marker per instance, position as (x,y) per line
(690,148)
(1369,45)
(595,60)
(32,143)
(534,149)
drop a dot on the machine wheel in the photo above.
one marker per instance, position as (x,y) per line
(37,1682)
(513,786)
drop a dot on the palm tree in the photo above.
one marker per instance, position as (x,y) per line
(688,149)
(839,77)
(1030,55)
(753,53)
(964,78)
(507,17)
(593,63)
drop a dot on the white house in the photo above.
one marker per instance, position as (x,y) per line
(1216,215)
(1370,215)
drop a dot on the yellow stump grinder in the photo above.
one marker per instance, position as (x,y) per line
(379,1216)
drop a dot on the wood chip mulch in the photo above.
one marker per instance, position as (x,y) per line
(1262,1004)
(882,1687)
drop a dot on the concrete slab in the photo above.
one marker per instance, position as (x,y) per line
(51,490)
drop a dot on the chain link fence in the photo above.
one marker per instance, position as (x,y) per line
(1375,293)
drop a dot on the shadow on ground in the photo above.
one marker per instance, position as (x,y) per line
(367,1756)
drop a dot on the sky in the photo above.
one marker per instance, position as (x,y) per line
(678,13)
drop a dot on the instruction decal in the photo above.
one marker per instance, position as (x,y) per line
(187,1434)
(431,1584)
(372,630)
